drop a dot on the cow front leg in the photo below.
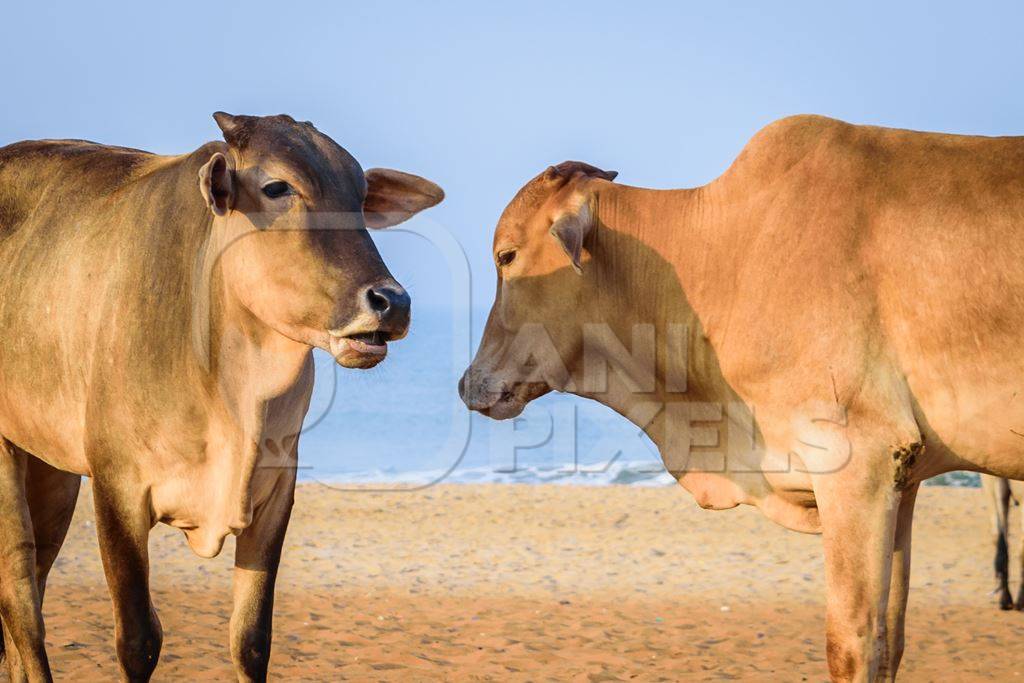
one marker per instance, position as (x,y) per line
(899,586)
(257,555)
(858,524)
(20,606)
(123,522)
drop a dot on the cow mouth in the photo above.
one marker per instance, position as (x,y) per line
(362,350)
(507,405)
(504,404)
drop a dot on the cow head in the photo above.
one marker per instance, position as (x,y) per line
(291,208)
(533,340)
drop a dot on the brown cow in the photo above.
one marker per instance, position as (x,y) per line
(157,318)
(842,312)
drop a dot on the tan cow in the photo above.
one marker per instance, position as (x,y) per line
(836,318)
(1000,492)
(157,317)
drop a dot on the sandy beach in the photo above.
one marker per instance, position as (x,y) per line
(514,582)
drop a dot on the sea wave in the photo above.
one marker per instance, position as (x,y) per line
(644,474)
(624,474)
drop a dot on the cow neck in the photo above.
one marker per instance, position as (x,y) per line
(653,249)
(684,239)
(245,366)
(246,362)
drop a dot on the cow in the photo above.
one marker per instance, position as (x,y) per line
(157,321)
(834,319)
(1000,492)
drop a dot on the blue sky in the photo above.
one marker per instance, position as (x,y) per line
(481,96)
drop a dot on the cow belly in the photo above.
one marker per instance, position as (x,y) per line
(52,433)
(973,425)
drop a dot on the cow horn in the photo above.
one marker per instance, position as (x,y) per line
(232,126)
(568,169)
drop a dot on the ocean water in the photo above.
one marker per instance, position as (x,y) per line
(403,423)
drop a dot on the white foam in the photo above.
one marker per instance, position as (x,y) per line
(648,474)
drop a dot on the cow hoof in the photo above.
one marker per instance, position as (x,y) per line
(1005,601)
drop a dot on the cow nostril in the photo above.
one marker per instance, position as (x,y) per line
(389,302)
(379,300)
(462,386)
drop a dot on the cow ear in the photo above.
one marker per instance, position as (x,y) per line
(217,184)
(393,197)
(571,229)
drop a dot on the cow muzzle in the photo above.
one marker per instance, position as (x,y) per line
(496,398)
(385,310)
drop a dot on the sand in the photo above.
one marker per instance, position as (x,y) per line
(514,582)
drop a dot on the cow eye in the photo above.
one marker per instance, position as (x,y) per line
(506,257)
(277,189)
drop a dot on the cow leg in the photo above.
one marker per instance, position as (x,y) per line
(997,490)
(899,586)
(257,555)
(1018,489)
(123,522)
(858,545)
(19,592)
(859,504)
(51,495)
